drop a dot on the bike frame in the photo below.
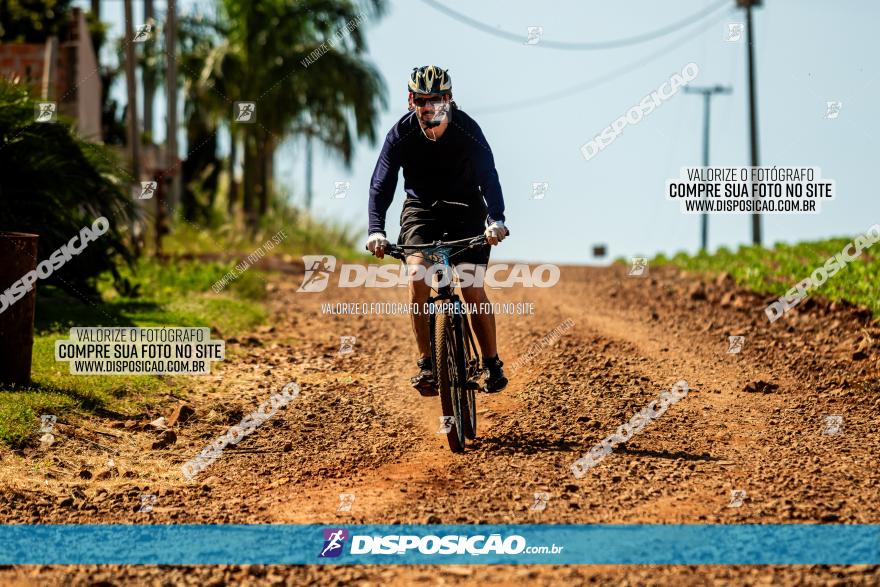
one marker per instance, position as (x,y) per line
(440,253)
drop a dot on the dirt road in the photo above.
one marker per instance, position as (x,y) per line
(754,422)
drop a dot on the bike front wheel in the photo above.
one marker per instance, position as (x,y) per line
(467,362)
(448,380)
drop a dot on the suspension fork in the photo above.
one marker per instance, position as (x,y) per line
(444,294)
(473,366)
(432,323)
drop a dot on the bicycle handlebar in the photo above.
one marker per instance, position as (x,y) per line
(397,251)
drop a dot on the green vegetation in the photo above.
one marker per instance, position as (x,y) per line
(303,235)
(32,22)
(774,271)
(173,293)
(333,102)
(61,184)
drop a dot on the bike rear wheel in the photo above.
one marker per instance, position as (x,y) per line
(449,383)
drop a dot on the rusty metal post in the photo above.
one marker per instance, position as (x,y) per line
(18,256)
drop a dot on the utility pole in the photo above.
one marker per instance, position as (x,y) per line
(134,135)
(753,106)
(707,93)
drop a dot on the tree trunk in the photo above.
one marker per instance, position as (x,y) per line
(252,172)
(171,147)
(268,159)
(232,195)
(149,84)
(200,170)
(134,135)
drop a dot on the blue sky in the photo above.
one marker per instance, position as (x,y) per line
(807,52)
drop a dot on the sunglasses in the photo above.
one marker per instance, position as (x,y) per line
(421,101)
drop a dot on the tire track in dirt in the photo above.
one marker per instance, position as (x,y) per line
(385,490)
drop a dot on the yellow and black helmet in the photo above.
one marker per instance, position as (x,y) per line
(429,79)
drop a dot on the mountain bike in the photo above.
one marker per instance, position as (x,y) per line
(456,362)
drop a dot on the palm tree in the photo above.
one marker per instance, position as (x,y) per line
(33,22)
(204,110)
(54,183)
(261,60)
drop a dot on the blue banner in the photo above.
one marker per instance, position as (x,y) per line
(630,544)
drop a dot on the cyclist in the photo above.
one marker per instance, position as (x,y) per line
(451,188)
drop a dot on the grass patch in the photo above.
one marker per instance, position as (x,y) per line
(302,235)
(170,293)
(774,271)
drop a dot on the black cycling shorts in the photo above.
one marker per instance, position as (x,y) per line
(423,223)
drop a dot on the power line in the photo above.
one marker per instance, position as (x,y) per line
(591,46)
(590,84)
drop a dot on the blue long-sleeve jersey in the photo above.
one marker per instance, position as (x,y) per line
(458,167)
